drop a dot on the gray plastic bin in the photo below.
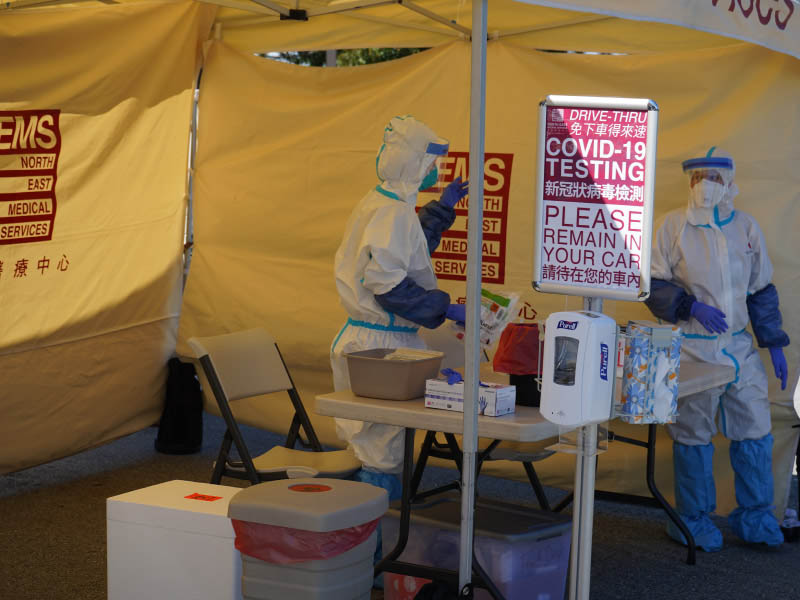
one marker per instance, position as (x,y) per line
(373,376)
(311,505)
(524,550)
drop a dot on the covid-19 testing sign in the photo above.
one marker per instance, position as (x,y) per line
(594,196)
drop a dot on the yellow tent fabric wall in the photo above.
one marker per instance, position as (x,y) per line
(90,313)
(286,152)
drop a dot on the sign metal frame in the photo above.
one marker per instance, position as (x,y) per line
(599,103)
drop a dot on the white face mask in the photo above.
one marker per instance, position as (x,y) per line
(706,194)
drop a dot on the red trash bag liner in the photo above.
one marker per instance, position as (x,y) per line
(518,350)
(285,546)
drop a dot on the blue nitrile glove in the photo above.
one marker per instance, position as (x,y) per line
(452,376)
(454,192)
(779,362)
(457,312)
(713,319)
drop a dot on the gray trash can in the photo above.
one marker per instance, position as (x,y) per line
(307,539)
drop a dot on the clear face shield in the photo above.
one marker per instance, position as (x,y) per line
(436,167)
(708,180)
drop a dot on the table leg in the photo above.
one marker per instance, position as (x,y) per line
(485,580)
(422,461)
(458,456)
(651,484)
(541,497)
(405,502)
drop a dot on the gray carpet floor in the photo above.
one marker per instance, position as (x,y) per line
(53,527)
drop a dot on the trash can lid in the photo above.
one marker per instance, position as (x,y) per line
(312,504)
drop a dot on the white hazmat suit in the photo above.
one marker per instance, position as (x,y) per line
(383,269)
(713,258)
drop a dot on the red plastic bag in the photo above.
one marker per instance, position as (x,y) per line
(285,545)
(518,350)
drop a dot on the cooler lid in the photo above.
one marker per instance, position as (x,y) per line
(180,505)
(493,518)
(312,504)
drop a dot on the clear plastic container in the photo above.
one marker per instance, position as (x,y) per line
(525,551)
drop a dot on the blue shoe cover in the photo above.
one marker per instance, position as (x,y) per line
(753,520)
(388,481)
(706,535)
(391,483)
(695,495)
(756,526)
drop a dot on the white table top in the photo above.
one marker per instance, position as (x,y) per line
(524,425)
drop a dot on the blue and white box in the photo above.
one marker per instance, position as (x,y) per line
(494,399)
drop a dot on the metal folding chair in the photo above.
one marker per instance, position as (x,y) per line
(246,364)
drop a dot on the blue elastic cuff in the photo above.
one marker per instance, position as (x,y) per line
(668,301)
(414,303)
(435,218)
(765,316)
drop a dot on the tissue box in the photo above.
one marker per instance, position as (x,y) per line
(494,399)
(650,373)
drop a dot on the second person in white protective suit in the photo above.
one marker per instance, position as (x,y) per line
(385,277)
(712,274)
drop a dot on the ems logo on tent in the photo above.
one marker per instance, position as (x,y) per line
(30,143)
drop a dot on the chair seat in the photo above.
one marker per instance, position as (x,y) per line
(299,463)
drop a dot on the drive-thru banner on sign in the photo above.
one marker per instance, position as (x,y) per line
(595,196)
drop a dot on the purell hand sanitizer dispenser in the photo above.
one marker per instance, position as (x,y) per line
(579,368)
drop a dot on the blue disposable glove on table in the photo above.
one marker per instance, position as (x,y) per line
(454,192)
(713,319)
(453,376)
(779,362)
(457,313)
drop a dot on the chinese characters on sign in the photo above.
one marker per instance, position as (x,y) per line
(30,143)
(450,258)
(526,312)
(594,196)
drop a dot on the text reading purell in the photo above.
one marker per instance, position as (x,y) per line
(604,362)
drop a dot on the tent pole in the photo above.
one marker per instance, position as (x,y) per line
(431,15)
(279,9)
(580,560)
(472,349)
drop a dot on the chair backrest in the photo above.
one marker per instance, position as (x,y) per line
(247,363)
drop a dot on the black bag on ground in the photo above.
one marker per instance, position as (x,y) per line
(180,430)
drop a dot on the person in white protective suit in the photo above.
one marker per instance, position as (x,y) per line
(711,274)
(385,277)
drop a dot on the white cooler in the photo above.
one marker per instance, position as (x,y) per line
(172,541)
(317,505)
